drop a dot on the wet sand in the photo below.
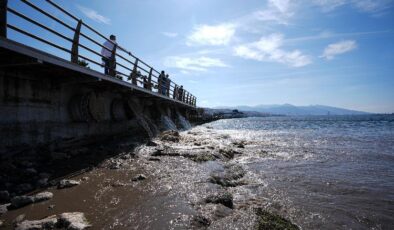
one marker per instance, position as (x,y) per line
(189,180)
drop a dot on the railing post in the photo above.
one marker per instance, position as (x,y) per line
(112,62)
(150,79)
(3,18)
(75,46)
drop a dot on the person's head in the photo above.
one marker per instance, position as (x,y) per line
(112,37)
(166,75)
(162,72)
(182,86)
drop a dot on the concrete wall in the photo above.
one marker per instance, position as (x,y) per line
(35,109)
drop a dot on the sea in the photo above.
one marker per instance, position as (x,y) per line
(323,172)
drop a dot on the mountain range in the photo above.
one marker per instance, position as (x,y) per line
(288,109)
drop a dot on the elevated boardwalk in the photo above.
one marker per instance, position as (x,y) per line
(53,89)
(142,78)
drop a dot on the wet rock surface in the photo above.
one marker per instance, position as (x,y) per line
(67,184)
(187,180)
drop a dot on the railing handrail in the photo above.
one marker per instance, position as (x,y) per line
(152,77)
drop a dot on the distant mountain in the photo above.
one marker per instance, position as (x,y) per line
(288,109)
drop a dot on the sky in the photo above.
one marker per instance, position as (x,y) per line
(249,52)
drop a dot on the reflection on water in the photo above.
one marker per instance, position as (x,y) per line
(326,172)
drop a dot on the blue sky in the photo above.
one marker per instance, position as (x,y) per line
(249,52)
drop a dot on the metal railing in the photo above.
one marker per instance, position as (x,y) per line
(132,68)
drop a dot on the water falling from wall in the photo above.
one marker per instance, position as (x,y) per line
(183,121)
(167,123)
(146,123)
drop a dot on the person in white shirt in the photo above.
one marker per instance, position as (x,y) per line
(107,53)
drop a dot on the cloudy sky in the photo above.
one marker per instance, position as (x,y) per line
(250,52)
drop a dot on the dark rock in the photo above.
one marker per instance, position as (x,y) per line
(19,219)
(225,199)
(268,221)
(67,184)
(170,135)
(201,157)
(154,159)
(31,171)
(165,152)
(200,221)
(139,177)
(47,223)
(52,206)
(42,196)
(228,153)
(4,196)
(20,201)
(230,177)
(73,221)
(151,143)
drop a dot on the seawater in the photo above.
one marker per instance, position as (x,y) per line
(324,172)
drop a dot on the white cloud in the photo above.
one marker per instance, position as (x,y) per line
(341,47)
(278,11)
(170,34)
(94,15)
(367,6)
(193,64)
(212,35)
(269,49)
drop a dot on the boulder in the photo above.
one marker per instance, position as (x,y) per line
(267,220)
(73,221)
(20,201)
(47,223)
(225,199)
(170,135)
(67,184)
(139,177)
(42,196)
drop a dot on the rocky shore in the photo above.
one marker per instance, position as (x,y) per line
(179,180)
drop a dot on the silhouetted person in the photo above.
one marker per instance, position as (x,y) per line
(107,54)
(146,82)
(175,93)
(180,93)
(168,83)
(160,80)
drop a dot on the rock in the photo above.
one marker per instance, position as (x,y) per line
(47,223)
(118,184)
(267,220)
(1,223)
(73,221)
(67,184)
(165,152)
(225,199)
(201,157)
(139,177)
(170,135)
(52,206)
(4,208)
(154,159)
(4,196)
(200,221)
(151,143)
(19,219)
(20,201)
(42,196)
(85,178)
(228,153)
(230,178)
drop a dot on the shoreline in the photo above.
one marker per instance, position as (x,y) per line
(179,181)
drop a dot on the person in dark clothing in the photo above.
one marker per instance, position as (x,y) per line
(160,80)
(146,82)
(180,93)
(175,93)
(168,83)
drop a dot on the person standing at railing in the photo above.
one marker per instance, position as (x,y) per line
(162,83)
(180,93)
(107,54)
(175,93)
(168,83)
